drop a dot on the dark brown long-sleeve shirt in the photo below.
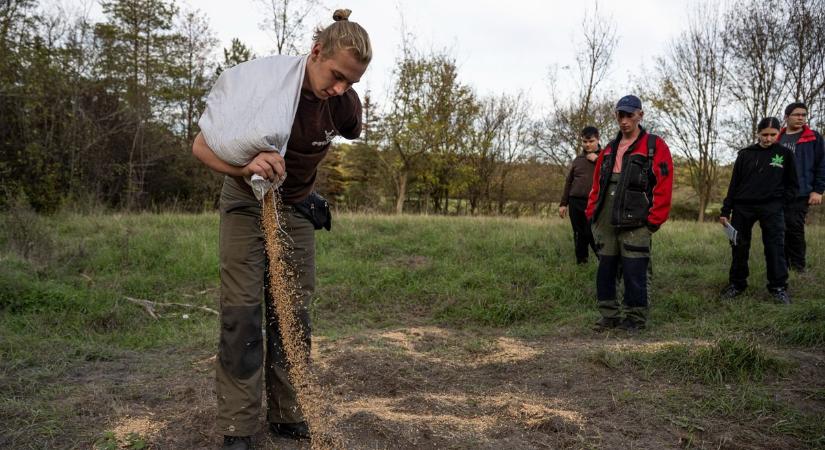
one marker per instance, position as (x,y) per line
(316,123)
(579,179)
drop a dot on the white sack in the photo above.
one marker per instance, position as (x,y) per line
(251,109)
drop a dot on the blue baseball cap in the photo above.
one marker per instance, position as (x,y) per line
(629,103)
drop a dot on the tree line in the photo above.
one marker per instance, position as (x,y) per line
(104,112)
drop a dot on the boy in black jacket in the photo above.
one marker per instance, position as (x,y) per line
(808,148)
(763,181)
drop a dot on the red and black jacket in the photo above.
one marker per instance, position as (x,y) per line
(810,162)
(645,187)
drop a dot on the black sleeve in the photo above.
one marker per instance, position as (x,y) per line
(727,203)
(790,180)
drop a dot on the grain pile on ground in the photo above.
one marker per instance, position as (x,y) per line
(311,397)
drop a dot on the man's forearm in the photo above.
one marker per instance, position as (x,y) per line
(204,153)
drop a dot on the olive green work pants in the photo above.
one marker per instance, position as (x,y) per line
(244,363)
(625,252)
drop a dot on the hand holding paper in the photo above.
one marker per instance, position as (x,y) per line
(730,232)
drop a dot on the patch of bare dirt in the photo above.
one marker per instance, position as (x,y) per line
(430,387)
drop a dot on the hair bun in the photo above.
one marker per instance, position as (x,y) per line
(341,14)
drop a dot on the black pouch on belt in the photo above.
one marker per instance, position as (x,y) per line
(316,209)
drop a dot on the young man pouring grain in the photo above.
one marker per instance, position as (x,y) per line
(327,107)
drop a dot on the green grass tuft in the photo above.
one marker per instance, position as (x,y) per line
(728,360)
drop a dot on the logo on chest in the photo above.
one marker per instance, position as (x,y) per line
(329,136)
(777,161)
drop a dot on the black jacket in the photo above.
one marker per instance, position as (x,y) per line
(761,175)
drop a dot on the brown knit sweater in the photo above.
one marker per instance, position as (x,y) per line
(579,179)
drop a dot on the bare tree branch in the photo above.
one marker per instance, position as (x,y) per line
(691,90)
(286,21)
(556,137)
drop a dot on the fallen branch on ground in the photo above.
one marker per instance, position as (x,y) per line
(203,292)
(147,305)
(150,306)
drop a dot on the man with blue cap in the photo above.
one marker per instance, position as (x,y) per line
(629,201)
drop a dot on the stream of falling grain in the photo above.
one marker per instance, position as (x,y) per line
(314,401)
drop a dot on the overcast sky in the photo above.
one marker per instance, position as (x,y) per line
(500,46)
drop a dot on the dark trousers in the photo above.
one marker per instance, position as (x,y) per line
(625,248)
(772,222)
(245,362)
(795,213)
(582,236)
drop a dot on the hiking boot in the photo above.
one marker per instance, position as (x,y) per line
(781,296)
(298,430)
(237,443)
(631,325)
(606,323)
(731,291)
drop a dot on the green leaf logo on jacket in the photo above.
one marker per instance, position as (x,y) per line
(777,161)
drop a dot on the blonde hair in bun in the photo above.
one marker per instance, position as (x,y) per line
(341,14)
(344,35)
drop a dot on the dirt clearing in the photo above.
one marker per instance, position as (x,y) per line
(431,387)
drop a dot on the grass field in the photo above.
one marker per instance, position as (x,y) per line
(431,332)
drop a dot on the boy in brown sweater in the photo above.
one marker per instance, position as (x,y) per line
(577,188)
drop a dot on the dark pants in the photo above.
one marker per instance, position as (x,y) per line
(582,236)
(244,361)
(795,213)
(625,248)
(771,219)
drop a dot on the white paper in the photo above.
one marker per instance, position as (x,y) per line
(731,233)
